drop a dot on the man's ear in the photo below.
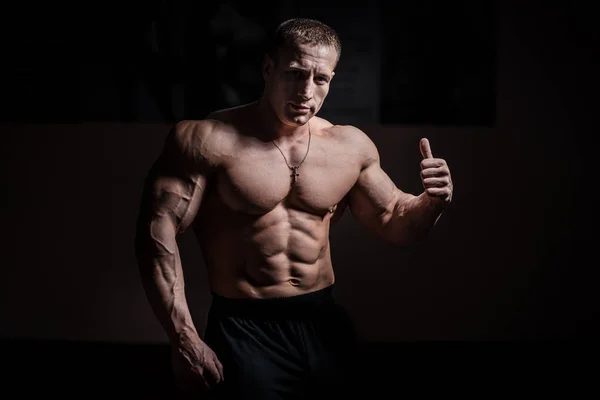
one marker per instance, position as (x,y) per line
(268,67)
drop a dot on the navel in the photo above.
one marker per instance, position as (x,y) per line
(294,281)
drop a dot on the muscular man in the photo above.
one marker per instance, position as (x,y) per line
(261,184)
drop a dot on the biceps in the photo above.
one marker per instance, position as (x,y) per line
(174,199)
(375,197)
(373,193)
(162,236)
(165,203)
(171,197)
(180,200)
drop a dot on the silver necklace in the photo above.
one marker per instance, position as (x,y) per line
(294,170)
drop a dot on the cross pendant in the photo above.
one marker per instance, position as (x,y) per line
(294,174)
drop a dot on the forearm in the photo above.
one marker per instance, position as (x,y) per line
(161,274)
(411,218)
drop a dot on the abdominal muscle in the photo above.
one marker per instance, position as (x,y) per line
(282,253)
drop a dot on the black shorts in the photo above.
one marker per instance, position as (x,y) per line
(285,348)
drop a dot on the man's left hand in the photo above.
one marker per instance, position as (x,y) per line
(435,175)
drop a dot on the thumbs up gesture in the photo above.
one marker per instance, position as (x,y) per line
(435,175)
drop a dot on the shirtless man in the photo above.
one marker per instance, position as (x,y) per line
(260,185)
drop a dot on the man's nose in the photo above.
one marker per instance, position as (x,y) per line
(306,89)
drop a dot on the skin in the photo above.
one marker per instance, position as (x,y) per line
(261,234)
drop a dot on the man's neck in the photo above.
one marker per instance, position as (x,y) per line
(273,128)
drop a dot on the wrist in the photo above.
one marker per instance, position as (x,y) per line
(434,203)
(185,337)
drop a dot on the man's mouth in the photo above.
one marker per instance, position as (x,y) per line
(300,108)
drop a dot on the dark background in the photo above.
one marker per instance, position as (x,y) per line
(506,94)
(162,61)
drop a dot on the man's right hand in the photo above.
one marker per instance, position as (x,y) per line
(196,367)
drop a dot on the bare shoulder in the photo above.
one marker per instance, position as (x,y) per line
(236,127)
(232,122)
(207,140)
(189,139)
(188,133)
(355,138)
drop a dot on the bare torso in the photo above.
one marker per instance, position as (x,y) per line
(261,234)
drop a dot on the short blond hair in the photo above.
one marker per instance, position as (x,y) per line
(297,31)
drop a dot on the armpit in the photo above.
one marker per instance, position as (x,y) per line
(339,209)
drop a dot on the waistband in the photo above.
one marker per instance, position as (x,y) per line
(307,304)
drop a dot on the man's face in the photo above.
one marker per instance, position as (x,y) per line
(297,83)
